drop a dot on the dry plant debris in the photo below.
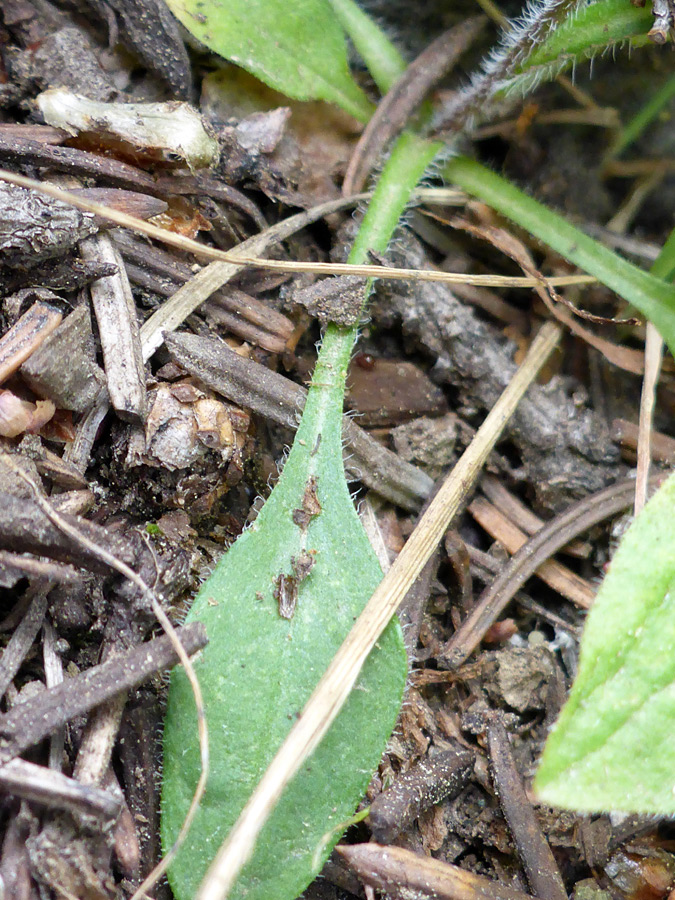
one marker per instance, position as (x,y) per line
(156,436)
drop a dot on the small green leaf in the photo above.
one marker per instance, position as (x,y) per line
(612,746)
(297,48)
(276,609)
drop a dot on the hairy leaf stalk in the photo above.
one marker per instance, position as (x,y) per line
(500,70)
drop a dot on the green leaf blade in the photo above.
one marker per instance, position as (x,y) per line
(260,668)
(610,749)
(297,48)
(255,689)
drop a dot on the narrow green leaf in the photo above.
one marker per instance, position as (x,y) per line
(664,264)
(260,668)
(381,56)
(654,106)
(297,48)
(611,748)
(650,295)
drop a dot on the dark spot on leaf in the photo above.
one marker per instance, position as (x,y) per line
(302,564)
(286,586)
(310,505)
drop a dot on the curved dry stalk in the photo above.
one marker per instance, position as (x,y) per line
(337,682)
(119,566)
(233,256)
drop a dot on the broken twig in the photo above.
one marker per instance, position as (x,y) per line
(540,867)
(402,874)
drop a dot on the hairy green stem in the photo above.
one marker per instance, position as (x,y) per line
(323,412)
(383,59)
(517,45)
(590,31)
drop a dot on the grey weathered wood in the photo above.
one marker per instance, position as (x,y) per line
(118,328)
(64,368)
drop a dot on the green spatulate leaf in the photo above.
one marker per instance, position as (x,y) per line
(260,668)
(612,746)
(297,47)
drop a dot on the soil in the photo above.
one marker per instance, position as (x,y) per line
(163,457)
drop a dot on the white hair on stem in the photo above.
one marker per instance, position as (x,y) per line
(499,71)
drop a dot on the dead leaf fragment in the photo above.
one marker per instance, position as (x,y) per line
(18,416)
(184,423)
(310,505)
(286,594)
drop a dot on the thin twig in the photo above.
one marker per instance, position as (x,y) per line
(653,358)
(540,867)
(121,567)
(557,576)
(521,514)
(404,97)
(336,684)
(210,279)
(623,357)
(625,433)
(555,534)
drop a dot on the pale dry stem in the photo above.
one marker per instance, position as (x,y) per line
(653,359)
(242,259)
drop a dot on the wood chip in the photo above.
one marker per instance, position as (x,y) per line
(391,391)
(22,639)
(556,576)
(64,368)
(428,782)
(28,333)
(119,331)
(41,785)
(402,875)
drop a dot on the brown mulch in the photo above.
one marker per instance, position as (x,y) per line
(161,457)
